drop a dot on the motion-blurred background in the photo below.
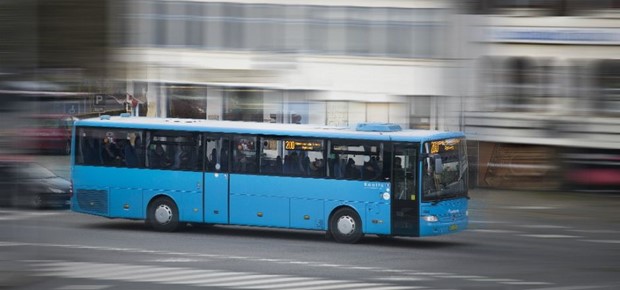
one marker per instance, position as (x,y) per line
(534,84)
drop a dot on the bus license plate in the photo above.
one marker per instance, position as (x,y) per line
(453,227)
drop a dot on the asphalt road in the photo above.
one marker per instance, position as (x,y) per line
(516,240)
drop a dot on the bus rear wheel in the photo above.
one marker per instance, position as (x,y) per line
(345,226)
(163,215)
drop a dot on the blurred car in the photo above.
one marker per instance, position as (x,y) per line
(51,133)
(28,184)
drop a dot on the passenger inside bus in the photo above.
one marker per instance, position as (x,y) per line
(293,165)
(129,151)
(159,158)
(317,168)
(371,170)
(111,152)
(351,171)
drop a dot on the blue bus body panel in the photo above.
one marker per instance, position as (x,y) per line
(257,210)
(126,203)
(308,202)
(131,186)
(378,220)
(307,214)
(216,197)
(452,216)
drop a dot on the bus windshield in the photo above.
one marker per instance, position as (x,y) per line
(444,170)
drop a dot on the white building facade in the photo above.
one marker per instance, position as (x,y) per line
(544,101)
(321,62)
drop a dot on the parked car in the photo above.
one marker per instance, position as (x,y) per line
(28,184)
(50,133)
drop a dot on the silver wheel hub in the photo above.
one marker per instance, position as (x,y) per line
(163,214)
(346,225)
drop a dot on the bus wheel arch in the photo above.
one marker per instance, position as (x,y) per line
(345,225)
(163,214)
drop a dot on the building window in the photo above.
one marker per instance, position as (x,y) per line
(608,82)
(187,101)
(233,20)
(195,24)
(243,104)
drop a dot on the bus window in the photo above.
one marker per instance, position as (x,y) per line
(217,154)
(244,154)
(173,150)
(404,174)
(355,160)
(271,161)
(444,169)
(110,147)
(303,157)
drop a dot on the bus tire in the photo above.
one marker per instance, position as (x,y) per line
(163,215)
(345,226)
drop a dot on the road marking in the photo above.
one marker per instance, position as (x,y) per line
(189,276)
(487,222)
(468,277)
(267,281)
(495,280)
(603,241)
(177,260)
(595,231)
(552,236)
(408,278)
(525,283)
(6,215)
(199,276)
(530,207)
(494,231)
(572,287)
(83,287)
(544,227)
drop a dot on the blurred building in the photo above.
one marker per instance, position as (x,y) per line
(545,97)
(323,62)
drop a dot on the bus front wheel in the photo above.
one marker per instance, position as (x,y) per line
(163,215)
(345,226)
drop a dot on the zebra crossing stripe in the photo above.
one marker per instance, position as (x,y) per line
(257,283)
(345,285)
(223,281)
(196,277)
(109,271)
(297,285)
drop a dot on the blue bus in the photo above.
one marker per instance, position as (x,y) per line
(374,178)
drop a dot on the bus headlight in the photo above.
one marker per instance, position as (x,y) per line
(430,218)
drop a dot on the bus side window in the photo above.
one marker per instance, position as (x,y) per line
(89,145)
(356,160)
(271,162)
(132,150)
(244,154)
(217,154)
(158,157)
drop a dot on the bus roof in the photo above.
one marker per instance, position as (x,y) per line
(276,129)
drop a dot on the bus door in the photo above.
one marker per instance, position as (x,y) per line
(216,179)
(405,201)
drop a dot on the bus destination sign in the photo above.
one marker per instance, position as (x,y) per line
(303,145)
